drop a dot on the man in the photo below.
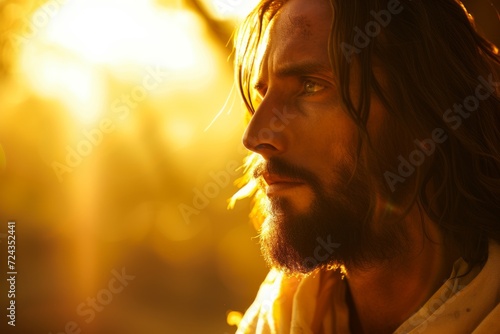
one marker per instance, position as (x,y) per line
(375,127)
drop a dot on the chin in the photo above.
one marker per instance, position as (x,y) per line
(327,233)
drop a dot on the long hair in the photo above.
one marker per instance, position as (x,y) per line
(432,58)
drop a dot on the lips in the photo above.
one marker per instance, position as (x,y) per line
(276,183)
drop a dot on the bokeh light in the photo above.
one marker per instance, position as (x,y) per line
(120,145)
(115,117)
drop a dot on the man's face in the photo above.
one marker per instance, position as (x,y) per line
(308,144)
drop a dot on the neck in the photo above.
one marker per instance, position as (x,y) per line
(383,296)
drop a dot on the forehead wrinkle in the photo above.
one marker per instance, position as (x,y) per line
(298,24)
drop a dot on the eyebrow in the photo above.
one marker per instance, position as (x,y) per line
(299,69)
(304,68)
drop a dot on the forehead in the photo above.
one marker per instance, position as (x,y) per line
(294,24)
(303,17)
(298,34)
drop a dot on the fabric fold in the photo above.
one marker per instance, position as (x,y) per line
(315,304)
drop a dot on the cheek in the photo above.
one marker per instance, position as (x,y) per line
(324,137)
(331,148)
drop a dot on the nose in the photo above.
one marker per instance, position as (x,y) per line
(265,134)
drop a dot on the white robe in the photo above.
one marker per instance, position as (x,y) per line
(316,304)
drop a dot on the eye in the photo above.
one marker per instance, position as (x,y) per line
(312,87)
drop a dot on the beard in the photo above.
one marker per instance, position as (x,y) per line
(337,229)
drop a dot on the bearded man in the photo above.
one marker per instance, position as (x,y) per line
(375,131)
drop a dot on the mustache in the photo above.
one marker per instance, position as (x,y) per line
(282,168)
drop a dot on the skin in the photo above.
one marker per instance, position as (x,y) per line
(295,74)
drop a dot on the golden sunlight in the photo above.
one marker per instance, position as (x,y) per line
(138,32)
(120,144)
(230,9)
(86,39)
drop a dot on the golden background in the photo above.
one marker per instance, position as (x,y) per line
(120,143)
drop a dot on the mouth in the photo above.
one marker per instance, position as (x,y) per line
(277,184)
